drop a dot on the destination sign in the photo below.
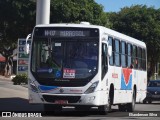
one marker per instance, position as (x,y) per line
(65,32)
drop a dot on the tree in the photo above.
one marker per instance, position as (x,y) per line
(142,23)
(75,11)
(16,21)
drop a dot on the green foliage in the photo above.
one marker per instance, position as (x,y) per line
(75,11)
(18,18)
(20,79)
(16,21)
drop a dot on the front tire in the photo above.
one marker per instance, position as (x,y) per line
(104,109)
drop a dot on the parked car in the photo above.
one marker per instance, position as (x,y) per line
(153,91)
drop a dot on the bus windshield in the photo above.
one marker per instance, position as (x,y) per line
(64,59)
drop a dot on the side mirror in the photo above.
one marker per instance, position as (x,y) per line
(110,50)
(27,48)
(27,45)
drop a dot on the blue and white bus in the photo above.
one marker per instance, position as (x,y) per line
(84,66)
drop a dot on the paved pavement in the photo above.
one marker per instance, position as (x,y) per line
(9,79)
(15,98)
(6,78)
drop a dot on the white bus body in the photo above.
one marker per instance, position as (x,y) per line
(82,72)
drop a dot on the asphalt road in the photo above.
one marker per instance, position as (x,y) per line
(14,98)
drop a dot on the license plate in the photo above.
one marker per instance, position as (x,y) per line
(61,102)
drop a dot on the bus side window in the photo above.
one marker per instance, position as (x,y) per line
(139,58)
(144,59)
(111,58)
(123,54)
(117,53)
(134,57)
(104,60)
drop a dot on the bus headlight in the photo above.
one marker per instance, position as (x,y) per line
(91,88)
(33,86)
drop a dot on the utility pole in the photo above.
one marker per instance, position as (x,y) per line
(43,12)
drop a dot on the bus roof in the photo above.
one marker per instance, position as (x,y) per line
(68,25)
(124,37)
(103,30)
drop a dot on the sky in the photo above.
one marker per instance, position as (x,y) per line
(116,5)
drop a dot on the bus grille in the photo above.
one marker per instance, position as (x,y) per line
(70,99)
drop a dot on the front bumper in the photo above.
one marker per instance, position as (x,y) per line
(92,99)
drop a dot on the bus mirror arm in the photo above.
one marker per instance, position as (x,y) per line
(110,50)
(27,45)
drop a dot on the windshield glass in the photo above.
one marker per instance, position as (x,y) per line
(64,58)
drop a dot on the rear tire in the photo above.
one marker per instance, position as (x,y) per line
(122,108)
(144,102)
(131,106)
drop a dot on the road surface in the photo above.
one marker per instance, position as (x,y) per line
(14,98)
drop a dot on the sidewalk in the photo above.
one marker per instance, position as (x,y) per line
(6,78)
(3,78)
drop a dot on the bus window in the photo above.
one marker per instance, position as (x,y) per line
(111,60)
(116,53)
(139,58)
(123,54)
(129,52)
(104,60)
(144,59)
(134,57)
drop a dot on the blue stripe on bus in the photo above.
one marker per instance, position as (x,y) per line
(125,86)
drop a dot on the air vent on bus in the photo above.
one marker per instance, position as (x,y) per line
(85,23)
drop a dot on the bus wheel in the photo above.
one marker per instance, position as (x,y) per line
(104,109)
(144,102)
(122,108)
(109,106)
(131,106)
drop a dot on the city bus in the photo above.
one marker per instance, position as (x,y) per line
(85,66)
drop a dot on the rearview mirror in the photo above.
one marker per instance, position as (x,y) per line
(110,50)
(26,49)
